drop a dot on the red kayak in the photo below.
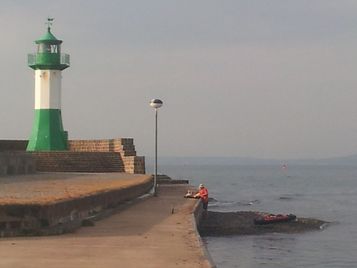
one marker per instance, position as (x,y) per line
(271,218)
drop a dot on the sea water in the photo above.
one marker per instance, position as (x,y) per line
(324,192)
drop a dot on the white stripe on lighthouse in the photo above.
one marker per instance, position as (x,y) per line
(48,89)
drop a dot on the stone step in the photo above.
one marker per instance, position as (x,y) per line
(78,161)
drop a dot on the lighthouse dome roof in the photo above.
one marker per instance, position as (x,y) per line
(48,38)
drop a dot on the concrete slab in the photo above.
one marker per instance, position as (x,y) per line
(44,188)
(154,232)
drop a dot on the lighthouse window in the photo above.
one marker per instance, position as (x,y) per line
(54,48)
(44,48)
(47,48)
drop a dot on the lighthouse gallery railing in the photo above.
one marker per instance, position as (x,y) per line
(31,59)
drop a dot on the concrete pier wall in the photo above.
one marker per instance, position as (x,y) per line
(66,215)
(198,216)
(15,162)
(13,145)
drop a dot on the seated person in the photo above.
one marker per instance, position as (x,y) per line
(202,194)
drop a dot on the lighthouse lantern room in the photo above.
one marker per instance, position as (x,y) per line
(48,62)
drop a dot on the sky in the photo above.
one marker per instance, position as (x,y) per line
(238,78)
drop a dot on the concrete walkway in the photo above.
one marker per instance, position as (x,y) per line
(145,234)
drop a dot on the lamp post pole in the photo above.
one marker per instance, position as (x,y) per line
(155,178)
(156,104)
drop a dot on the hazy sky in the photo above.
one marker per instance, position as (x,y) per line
(255,78)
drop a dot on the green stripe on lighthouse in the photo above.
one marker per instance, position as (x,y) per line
(47,132)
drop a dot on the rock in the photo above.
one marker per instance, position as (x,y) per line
(242,223)
(87,223)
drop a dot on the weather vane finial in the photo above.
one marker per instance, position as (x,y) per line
(49,23)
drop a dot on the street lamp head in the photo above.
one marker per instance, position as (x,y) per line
(156,103)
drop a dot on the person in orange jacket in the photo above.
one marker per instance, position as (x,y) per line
(203,194)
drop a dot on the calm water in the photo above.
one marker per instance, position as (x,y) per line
(324,192)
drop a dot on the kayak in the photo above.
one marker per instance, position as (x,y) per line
(271,218)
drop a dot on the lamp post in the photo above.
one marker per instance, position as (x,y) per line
(156,104)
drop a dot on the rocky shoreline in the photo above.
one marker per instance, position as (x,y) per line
(242,223)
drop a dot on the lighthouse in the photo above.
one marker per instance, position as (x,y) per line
(48,62)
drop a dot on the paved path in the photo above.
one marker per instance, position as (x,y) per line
(145,234)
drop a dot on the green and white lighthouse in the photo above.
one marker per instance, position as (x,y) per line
(48,62)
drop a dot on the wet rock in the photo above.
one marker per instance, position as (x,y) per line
(242,223)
